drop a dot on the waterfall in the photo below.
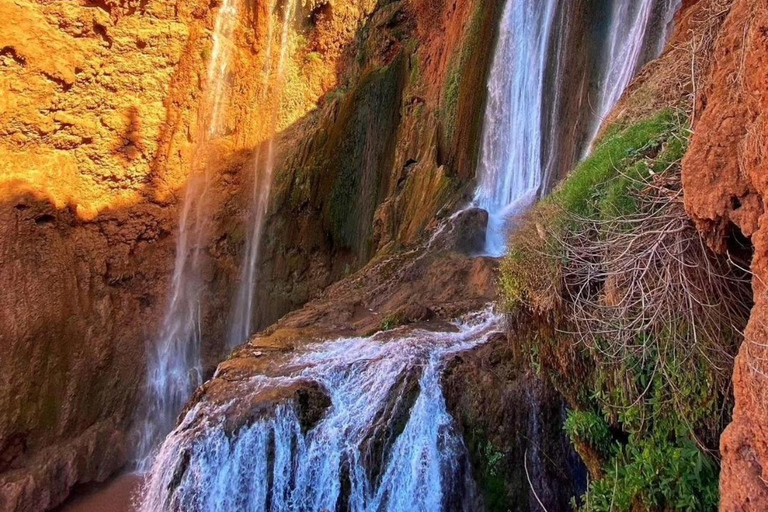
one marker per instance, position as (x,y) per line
(519,150)
(241,326)
(633,40)
(386,443)
(511,160)
(174,367)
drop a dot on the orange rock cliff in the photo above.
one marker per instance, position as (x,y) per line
(104,106)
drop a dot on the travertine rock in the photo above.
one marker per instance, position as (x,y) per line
(725,189)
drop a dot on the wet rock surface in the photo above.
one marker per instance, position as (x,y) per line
(512,420)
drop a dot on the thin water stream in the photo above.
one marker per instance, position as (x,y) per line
(242,321)
(174,367)
(518,152)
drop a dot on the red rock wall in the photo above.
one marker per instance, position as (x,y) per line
(726,181)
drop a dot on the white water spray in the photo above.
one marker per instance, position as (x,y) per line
(174,363)
(242,324)
(387,442)
(631,43)
(512,155)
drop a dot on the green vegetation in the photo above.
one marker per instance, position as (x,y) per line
(393,321)
(621,305)
(314,58)
(656,474)
(460,61)
(591,429)
(358,151)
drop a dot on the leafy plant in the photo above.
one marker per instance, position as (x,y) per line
(590,428)
(633,318)
(656,474)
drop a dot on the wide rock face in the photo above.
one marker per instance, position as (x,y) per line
(102,123)
(84,252)
(104,120)
(725,191)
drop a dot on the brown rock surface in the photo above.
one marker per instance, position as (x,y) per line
(102,118)
(86,93)
(725,187)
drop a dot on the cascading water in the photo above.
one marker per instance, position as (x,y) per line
(242,318)
(631,43)
(526,83)
(387,442)
(174,363)
(512,157)
(355,457)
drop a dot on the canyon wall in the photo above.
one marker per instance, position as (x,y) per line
(105,118)
(87,223)
(103,121)
(725,190)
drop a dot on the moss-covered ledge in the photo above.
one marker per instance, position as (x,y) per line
(614,299)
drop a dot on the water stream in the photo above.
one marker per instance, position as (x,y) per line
(639,30)
(526,84)
(512,159)
(174,362)
(242,321)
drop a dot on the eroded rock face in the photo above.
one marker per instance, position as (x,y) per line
(725,189)
(84,253)
(103,120)
(368,172)
(104,113)
(512,423)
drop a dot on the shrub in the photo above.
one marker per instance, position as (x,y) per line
(591,429)
(656,474)
(615,274)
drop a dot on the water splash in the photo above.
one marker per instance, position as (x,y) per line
(174,362)
(387,442)
(242,323)
(512,155)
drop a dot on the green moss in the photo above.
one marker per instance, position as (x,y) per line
(489,460)
(313,58)
(392,321)
(460,61)
(360,144)
(645,409)
(494,487)
(615,165)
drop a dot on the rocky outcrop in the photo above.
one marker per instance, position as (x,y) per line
(388,150)
(512,420)
(724,173)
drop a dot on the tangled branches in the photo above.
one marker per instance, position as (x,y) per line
(649,299)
